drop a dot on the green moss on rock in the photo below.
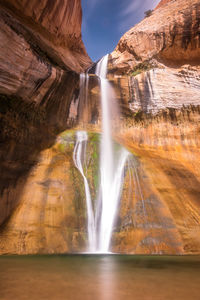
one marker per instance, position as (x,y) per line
(142,67)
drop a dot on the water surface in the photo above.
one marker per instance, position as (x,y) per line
(99,277)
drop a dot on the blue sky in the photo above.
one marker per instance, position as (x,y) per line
(105,21)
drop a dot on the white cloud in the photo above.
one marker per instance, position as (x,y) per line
(91,4)
(130,8)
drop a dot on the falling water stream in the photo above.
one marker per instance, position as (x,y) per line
(79,152)
(112,168)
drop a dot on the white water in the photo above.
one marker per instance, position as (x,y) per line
(78,154)
(111,169)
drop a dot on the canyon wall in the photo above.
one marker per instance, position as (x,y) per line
(40,43)
(41,56)
(51,214)
(50,29)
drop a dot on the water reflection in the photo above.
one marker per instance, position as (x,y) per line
(107,278)
(99,277)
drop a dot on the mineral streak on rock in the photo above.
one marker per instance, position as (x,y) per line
(159,88)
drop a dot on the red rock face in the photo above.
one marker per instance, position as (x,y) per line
(39,42)
(61,18)
(58,26)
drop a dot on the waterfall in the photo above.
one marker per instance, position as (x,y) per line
(111,193)
(78,154)
(111,169)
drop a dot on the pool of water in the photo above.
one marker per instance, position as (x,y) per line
(105,277)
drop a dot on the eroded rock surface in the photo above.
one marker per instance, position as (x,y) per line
(51,28)
(41,54)
(160,88)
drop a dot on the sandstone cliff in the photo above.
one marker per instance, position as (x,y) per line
(52,29)
(41,54)
(38,45)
